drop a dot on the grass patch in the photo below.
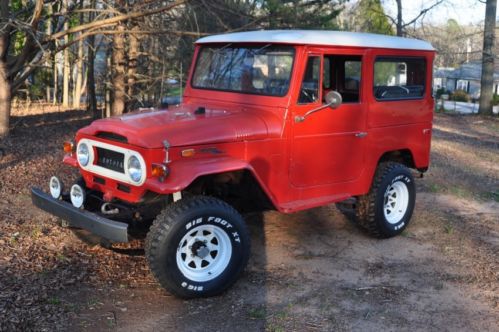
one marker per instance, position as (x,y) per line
(406,233)
(54,301)
(449,229)
(492,195)
(257,313)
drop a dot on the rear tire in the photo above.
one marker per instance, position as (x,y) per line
(387,209)
(197,247)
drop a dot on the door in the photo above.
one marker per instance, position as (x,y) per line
(328,146)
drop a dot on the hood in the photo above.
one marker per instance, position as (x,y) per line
(183,126)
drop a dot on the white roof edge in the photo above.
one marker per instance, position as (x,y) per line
(320,37)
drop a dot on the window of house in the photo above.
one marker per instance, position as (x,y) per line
(309,92)
(342,74)
(399,78)
(462,85)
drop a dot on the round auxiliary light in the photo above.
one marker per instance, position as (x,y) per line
(56,187)
(77,195)
(83,154)
(134,169)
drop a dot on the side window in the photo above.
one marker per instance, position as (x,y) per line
(309,92)
(351,83)
(399,78)
(326,78)
(343,74)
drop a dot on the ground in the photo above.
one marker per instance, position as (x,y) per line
(313,270)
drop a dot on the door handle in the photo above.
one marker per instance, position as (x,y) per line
(362,134)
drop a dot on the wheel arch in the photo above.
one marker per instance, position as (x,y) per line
(402,156)
(242,179)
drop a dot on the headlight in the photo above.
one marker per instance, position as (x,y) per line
(83,154)
(134,169)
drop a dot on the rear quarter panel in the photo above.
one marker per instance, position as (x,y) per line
(400,124)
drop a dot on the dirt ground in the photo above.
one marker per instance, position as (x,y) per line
(312,270)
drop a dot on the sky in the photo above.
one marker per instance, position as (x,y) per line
(463,11)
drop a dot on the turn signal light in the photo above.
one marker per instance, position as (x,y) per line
(69,147)
(188,153)
(159,171)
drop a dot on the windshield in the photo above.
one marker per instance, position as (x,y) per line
(262,69)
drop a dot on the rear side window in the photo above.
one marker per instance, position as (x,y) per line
(399,78)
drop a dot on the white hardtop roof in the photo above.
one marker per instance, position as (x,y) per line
(320,37)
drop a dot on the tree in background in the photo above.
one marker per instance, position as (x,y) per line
(26,44)
(402,25)
(367,16)
(487,82)
(318,14)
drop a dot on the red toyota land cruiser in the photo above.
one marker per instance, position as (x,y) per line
(284,120)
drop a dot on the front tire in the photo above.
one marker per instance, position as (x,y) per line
(197,247)
(387,209)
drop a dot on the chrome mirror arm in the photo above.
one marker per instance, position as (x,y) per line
(301,118)
(333,99)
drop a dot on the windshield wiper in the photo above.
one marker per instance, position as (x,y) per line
(222,48)
(260,49)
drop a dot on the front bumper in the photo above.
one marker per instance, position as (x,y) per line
(109,229)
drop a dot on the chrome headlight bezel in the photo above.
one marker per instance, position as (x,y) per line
(134,168)
(83,154)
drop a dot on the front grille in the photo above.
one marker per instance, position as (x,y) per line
(110,159)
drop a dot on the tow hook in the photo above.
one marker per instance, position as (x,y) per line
(107,209)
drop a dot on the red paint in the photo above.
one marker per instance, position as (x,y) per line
(299,165)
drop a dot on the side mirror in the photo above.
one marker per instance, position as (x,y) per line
(333,99)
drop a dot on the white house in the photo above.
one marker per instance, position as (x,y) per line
(466,77)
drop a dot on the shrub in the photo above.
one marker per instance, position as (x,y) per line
(440,92)
(495,100)
(460,95)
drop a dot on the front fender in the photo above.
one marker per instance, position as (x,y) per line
(184,172)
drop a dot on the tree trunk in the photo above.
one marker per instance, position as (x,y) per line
(48,31)
(400,31)
(77,90)
(91,97)
(5,93)
(107,90)
(79,77)
(118,103)
(56,79)
(66,68)
(487,82)
(132,65)
(5,97)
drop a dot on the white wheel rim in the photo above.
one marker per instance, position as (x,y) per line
(396,201)
(204,253)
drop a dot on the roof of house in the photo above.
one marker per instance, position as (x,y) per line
(320,37)
(467,71)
